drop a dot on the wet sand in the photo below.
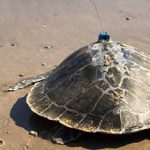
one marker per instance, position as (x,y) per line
(26,27)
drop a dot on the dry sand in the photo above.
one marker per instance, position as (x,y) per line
(27,26)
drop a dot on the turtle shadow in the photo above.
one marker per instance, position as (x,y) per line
(25,118)
(100,141)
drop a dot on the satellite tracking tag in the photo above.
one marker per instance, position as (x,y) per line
(104,36)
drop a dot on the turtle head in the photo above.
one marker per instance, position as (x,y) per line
(103,36)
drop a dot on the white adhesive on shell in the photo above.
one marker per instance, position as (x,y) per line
(97,54)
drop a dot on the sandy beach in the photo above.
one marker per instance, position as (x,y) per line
(36,32)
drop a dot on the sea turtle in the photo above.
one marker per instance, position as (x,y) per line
(103,87)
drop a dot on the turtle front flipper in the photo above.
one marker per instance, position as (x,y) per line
(29,81)
(65,135)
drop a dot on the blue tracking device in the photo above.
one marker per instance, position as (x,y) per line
(103,36)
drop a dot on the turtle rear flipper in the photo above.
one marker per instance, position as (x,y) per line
(29,81)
